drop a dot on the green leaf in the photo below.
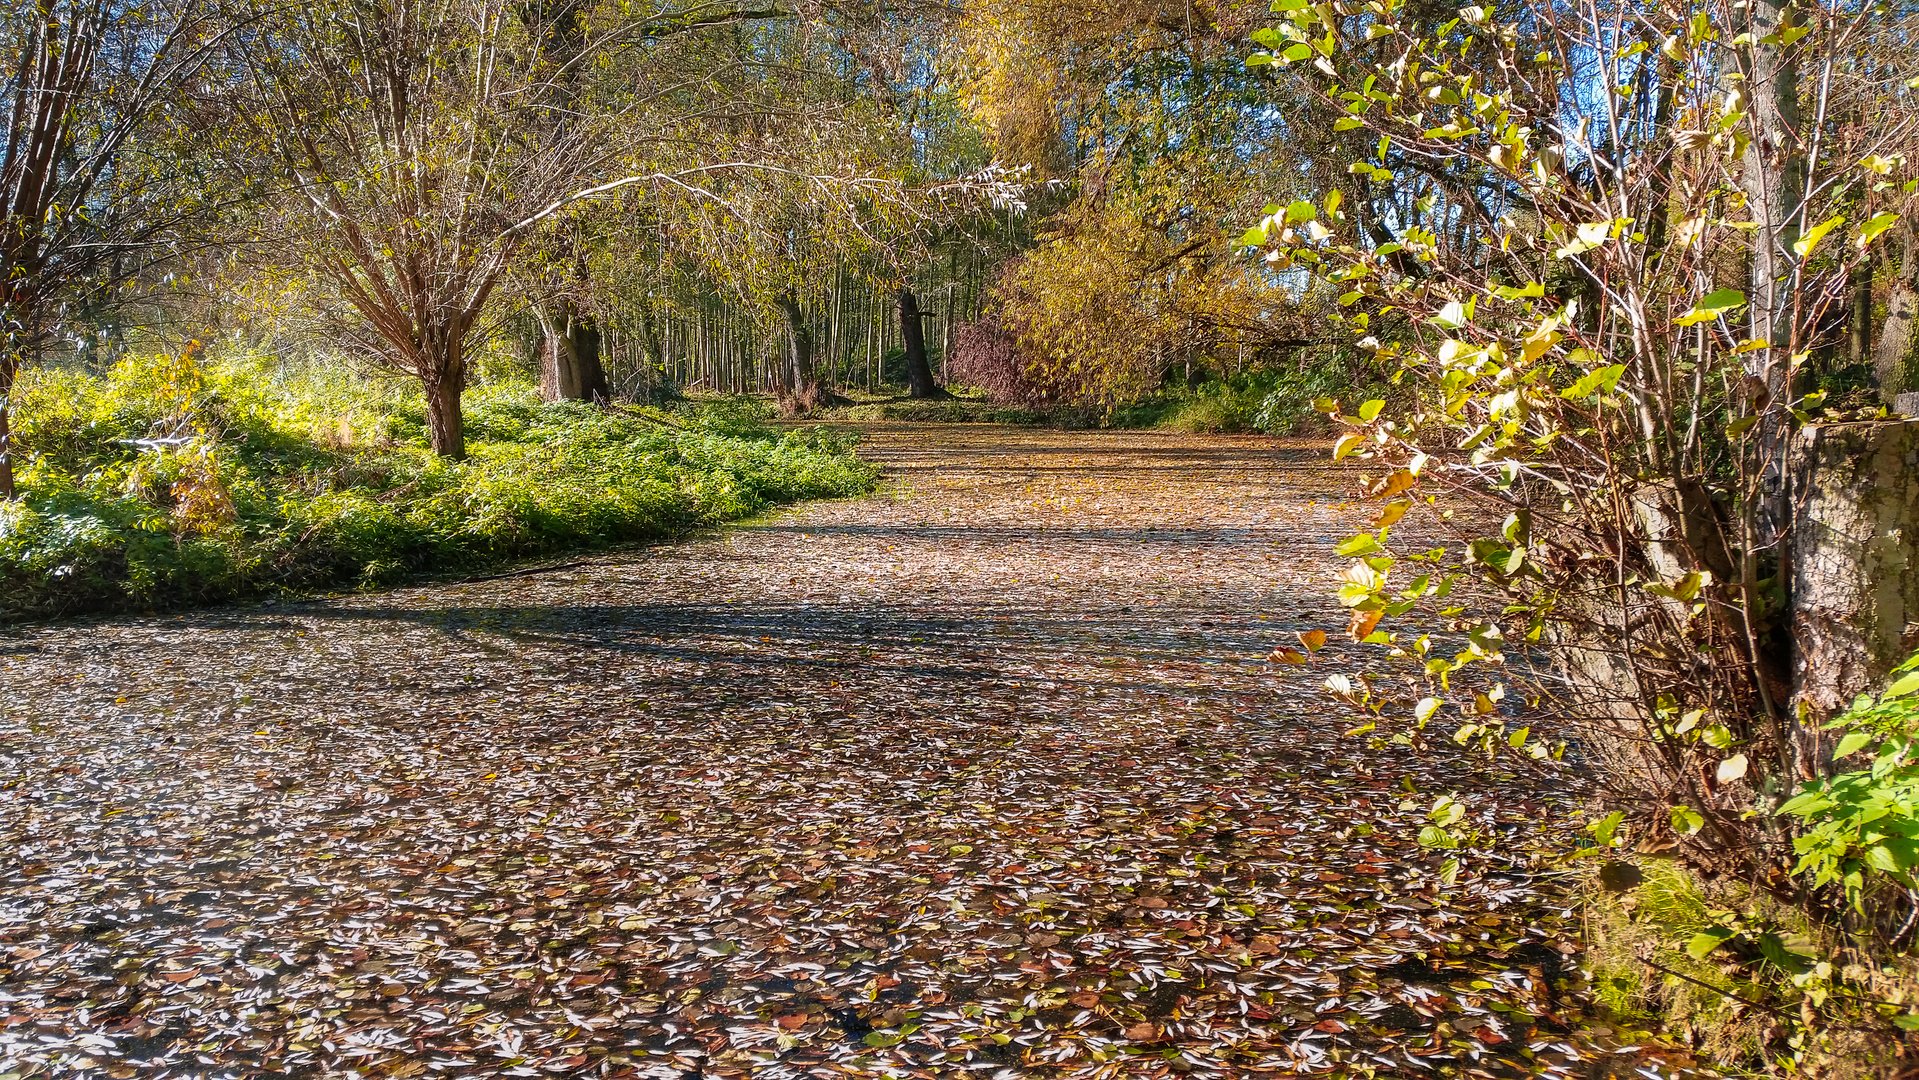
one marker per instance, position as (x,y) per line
(1607,827)
(1851,744)
(1346,123)
(1705,941)
(1528,291)
(1300,210)
(1453,316)
(1903,685)
(1875,225)
(1253,237)
(1882,859)
(1585,238)
(1906,1022)
(1296,52)
(1598,380)
(1804,245)
(1363,544)
(1686,821)
(1712,306)
(1369,411)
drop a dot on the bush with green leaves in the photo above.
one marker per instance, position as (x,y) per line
(1859,829)
(166,483)
(1611,254)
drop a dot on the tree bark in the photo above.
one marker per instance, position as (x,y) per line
(445,425)
(1772,175)
(919,373)
(9,370)
(1855,558)
(1859,317)
(570,366)
(442,370)
(799,388)
(1892,352)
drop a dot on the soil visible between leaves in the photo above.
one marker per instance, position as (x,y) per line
(985,776)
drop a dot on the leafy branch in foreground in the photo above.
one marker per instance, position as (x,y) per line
(1614,250)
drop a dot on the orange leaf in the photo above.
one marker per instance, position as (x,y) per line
(1362,624)
(1314,640)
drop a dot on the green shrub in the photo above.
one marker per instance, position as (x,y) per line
(1271,401)
(165,483)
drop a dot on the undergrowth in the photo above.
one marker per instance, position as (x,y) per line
(1759,986)
(1274,401)
(167,482)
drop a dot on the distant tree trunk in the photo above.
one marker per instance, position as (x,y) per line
(919,373)
(1892,346)
(1859,317)
(570,365)
(9,370)
(799,387)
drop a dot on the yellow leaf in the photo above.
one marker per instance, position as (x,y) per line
(1391,513)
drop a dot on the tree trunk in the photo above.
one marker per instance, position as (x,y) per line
(570,366)
(9,370)
(444,380)
(1892,352)
(799,388)
(919,373)
(1855,559)
(1859,317)
(1772,174)
(17,328)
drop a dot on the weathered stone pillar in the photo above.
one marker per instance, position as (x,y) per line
(1854,558)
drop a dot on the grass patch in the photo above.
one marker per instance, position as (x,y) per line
(1807,1004)
(165,483)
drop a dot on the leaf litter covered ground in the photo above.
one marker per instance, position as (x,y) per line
(987,776)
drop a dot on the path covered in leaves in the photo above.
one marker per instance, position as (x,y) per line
(986,776)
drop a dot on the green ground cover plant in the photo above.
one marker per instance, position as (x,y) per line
(168,482)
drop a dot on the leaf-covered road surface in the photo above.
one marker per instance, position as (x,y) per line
(985,776)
